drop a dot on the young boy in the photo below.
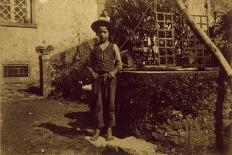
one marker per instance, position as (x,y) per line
(104,63)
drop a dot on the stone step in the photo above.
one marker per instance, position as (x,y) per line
(126,146)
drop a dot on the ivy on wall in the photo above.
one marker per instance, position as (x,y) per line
(173,109)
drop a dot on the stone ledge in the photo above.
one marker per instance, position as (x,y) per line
(128,146)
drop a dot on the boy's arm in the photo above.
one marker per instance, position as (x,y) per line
(118,61)
(89,66)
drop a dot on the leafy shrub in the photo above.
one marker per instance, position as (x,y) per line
(158,106)
(70,72)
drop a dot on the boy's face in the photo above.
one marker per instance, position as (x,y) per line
(103,33)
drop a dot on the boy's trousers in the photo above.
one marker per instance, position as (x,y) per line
(104,89)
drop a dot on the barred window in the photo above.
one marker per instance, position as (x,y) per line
(17,12)
(16,70)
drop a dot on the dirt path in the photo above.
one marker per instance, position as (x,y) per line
(37,126)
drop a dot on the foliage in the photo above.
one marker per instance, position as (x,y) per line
(180,91)
(65,78)
(68,77)
(140,19)
(220,32)
(159,106)
(137,16)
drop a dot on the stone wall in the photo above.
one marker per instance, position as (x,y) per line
(63,24)
(175,109)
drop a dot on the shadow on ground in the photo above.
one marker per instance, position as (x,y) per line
(33,90)
(80,119)
(60,130)
(80,125)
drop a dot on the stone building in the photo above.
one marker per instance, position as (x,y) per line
(27,24)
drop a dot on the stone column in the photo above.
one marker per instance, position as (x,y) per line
(45,69)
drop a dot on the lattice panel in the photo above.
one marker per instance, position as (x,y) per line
(154,39)
(165,33)
(194,51)
(160,36)
(15,11)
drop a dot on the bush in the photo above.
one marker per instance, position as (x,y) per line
(70,72)
(174,109)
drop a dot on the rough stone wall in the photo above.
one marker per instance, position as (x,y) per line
(221,5)
(63,24)
(173,109)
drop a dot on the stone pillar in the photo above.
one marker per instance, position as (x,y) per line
(45,69)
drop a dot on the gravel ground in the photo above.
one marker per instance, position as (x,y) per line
(32,125)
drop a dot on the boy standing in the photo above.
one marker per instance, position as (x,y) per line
(104,63)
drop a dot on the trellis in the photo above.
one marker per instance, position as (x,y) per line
(194,52)
(161,37)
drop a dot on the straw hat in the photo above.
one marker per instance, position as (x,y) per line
(103,21)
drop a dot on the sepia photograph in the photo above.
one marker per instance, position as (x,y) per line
(115,77)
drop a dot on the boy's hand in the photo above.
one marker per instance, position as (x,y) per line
(95,75)
(111,74)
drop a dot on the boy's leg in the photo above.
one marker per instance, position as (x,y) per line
(96,135)
(98,109)
(111,102)
(109,135)
(111,108)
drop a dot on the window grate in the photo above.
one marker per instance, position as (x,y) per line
(16,11)
(16,71)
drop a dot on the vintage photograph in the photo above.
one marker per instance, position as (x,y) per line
(116,77)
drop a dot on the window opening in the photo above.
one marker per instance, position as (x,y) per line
(16,70)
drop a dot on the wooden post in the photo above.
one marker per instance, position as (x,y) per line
(204,37)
